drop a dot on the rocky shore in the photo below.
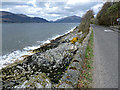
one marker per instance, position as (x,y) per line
(54,65)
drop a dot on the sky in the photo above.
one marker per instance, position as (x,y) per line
(51,9)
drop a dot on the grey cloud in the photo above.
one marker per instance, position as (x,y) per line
(63,9)
(8,4)
(41,4)
(13,4)
(55,13)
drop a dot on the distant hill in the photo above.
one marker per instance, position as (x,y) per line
(8,17)
(70,19)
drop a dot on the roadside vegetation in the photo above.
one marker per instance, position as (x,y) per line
(109,14)
(85,79)
(85,24)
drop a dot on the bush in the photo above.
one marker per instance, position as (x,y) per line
(86,20)
(93,21)
(109,14)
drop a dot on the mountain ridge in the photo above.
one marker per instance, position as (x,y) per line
(8,17)
(69,19)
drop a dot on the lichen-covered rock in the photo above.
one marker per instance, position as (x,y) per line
(58,63)
(37,81)
(77,56)
(53,62)
(75,64)
(72,74)
(70,77)
(65,85)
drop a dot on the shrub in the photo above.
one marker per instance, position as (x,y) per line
(86,20)
(109,13)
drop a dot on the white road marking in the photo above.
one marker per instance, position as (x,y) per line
(108,30)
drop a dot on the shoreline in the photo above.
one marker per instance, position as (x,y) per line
(55,61)
(18,55)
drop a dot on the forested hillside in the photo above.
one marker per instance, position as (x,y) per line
(109,14)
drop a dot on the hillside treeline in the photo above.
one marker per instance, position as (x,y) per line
(85,24)
(108,14)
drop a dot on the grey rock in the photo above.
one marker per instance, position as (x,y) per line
(76,65)
(64,85)
(19,67)
(71,76)
(37,81)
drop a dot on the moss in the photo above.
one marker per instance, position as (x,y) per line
(66,67)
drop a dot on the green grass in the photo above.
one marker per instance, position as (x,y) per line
(85,80)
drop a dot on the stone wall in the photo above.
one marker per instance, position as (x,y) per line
(71,76)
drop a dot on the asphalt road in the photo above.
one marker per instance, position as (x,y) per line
(105,72)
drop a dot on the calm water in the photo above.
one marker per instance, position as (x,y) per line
(16,36)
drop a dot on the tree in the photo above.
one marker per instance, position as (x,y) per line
(109,13)
(86,20)
(114,12)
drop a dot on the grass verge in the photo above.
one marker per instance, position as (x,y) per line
(85,79)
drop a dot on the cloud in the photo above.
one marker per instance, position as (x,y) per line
(74,2)
(51,10)
(33,2)
(97,8)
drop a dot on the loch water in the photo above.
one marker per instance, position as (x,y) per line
(18,36)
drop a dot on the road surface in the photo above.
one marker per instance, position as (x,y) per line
(105,73)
